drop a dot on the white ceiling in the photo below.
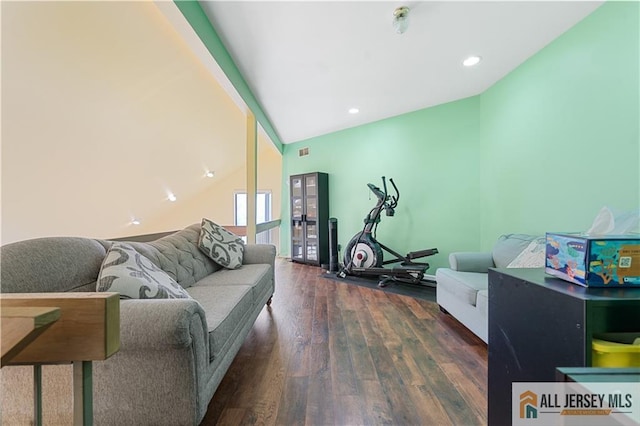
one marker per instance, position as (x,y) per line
(308,62)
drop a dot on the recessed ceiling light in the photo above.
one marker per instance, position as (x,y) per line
(135,222)
(171,197)
(209,174)
(471,61)
(353,110)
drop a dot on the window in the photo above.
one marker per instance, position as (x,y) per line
(263,212)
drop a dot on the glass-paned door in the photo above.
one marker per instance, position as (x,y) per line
(311,200)
(312,241)
(311,217)
(297,219)
(297,208)
(297,241)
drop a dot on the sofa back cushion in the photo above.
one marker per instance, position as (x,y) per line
(179,256)
(508,247)
(52,264)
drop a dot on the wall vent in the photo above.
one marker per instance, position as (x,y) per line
(303,151)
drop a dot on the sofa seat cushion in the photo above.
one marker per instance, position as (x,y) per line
(226,309)
(463,285)
(258,276)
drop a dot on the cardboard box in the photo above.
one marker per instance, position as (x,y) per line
(602,261)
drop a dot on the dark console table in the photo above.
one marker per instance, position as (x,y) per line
(538,323)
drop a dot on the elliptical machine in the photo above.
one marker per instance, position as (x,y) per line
(364,254)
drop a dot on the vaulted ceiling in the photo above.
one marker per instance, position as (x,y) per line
(309,62)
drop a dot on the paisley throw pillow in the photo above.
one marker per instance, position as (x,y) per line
(135,277)
(223,247)
(533,256)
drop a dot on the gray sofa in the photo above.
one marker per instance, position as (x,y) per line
(173,352)
(463,287)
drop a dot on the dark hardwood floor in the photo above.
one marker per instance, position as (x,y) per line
(331,353)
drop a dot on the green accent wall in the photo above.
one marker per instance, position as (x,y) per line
(542,150)
(431,154)
(560,134)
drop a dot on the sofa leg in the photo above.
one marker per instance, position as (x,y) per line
(443,310)
(269,301)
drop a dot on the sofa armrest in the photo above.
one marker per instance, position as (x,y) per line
(259,253)
(160,324)
(471,261)
(164,352)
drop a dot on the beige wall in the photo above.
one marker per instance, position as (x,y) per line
(216,201)
(105,110)
(270,178)
(270,172)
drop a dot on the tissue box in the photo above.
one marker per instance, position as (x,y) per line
(602,261)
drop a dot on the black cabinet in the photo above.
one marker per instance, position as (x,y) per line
(538,323)
(310,218)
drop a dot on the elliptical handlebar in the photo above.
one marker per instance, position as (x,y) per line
(385,201)
(396,198)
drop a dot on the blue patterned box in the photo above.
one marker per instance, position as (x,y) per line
(603,261)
